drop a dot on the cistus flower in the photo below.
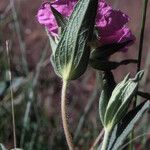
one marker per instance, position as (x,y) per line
(110,23)
(45,16)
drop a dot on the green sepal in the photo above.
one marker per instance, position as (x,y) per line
(71,57)
(120,99)
(61,20)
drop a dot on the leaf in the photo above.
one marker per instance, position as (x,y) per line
(127,124)
(108,86)
(120,99)
(61,20)
(72,53)
(106,51)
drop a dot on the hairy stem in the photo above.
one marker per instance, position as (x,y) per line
(142,35)
(64,116)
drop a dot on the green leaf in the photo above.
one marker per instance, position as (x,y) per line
(108,86)
(72,53)
(127,124)
(61,20)
(120,99)
(106,51)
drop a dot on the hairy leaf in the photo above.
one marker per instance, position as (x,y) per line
(108,86)
(72,53)
(127,124)
(120,99)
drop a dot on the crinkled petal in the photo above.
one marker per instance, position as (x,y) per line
(46,18)
(111,23)
(119,36)
(109,20)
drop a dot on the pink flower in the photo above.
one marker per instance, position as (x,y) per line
(46,17)
(110,23)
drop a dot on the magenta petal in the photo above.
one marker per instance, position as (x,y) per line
(109,20)
(111,23)
(46,17)
(119,36)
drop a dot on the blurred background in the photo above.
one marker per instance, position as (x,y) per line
(36,88)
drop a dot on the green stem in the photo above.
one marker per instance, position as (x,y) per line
(64,116)
(142,35)
(106,140)
(140,54)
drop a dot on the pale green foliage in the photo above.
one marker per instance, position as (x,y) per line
(108,86)
(125,126)
(116,119)
(121,97)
